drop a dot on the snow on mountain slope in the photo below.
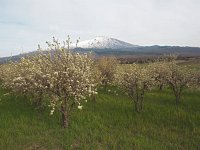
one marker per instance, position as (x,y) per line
(103,43)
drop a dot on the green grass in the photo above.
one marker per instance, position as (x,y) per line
(108,123)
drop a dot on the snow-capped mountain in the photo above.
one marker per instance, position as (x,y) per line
(103,43)
(103,46)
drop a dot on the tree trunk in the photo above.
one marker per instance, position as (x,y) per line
(142,101)
(136,106)
(39,101)
(176,93)
(161,87)
(93,97)
(64,121)
(141,105)
(178,96)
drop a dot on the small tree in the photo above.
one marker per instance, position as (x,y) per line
(69,80)
(178,78)
(159,69)
(107,67)
(21,78)
(136,80)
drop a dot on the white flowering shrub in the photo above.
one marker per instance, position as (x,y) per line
(69,81)
(24,78)
(136,80)
(107,67)
(159,69)
(178,78)
(9,75)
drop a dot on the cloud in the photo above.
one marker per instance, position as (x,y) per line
(25,23)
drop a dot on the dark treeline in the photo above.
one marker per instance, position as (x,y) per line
(148,59)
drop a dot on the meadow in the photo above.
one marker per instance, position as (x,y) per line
(67,100)
(110,122)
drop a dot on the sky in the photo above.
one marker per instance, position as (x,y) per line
(26,23)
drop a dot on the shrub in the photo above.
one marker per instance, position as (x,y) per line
(107,67)
(136,80)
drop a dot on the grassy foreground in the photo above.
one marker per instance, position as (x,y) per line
(108,123)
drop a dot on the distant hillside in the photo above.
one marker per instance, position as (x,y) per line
(104,46)
(145,50)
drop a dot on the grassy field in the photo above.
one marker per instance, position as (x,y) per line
(108,123)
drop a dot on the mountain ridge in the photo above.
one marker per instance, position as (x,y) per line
(104,46)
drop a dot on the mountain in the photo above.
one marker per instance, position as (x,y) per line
(103,46)
(103,42)
(111,46)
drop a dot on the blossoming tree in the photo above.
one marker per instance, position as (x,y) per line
(178,78)
(107,67)
(136,80)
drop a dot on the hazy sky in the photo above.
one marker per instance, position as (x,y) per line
(26,23)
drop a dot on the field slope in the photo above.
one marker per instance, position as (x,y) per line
(108,123)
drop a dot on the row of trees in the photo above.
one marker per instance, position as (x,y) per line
(137,80)
(66,79)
